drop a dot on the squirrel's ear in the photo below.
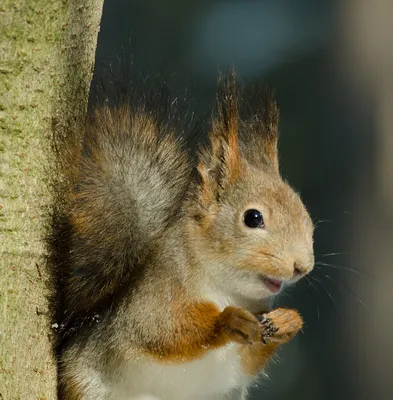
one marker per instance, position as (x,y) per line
(221,165)
(261,118)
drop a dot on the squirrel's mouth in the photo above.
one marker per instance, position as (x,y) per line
(274,285)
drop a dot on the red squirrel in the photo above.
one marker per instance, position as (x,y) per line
(165,275)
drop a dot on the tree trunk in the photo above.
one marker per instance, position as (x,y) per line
(368,57)
(48,57)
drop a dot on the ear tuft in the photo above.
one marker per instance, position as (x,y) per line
(226,124)
(221,165)
(261,118)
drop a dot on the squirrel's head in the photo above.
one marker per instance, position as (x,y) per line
(250,230)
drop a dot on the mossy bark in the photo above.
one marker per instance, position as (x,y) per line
(47,61)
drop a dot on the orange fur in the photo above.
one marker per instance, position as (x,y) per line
(194,332)
(200,327)
(255,357)
(69,390)
(233,155)
(207,194)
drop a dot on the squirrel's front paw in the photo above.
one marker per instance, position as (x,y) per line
(280,325)
(240,325)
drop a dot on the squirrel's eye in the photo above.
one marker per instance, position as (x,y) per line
(253,219)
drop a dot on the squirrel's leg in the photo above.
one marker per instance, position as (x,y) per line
(279,327)
(201,327)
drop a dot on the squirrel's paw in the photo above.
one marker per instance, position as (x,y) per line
(240,325)
(280,325)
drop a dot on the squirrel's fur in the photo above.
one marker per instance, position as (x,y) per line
(157,277)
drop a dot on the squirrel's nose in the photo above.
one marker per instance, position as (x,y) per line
(302,264)
(296,270)
(299,269)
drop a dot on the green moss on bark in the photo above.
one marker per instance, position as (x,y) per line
(47,60)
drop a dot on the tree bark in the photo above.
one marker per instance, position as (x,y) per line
(47,64)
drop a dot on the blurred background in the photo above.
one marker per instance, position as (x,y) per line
(331,63)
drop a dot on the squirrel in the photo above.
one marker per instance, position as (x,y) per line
(165,273)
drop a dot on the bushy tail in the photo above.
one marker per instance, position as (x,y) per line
(119,182)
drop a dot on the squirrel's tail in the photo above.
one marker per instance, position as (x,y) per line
(119,182)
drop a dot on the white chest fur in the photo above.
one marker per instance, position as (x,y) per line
(215,376)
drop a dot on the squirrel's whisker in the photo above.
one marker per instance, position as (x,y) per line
(316,289)
(335,254)
(324,289)
(322,221)
(344,267)
(360,301)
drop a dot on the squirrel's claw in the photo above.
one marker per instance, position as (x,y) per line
(279,326)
